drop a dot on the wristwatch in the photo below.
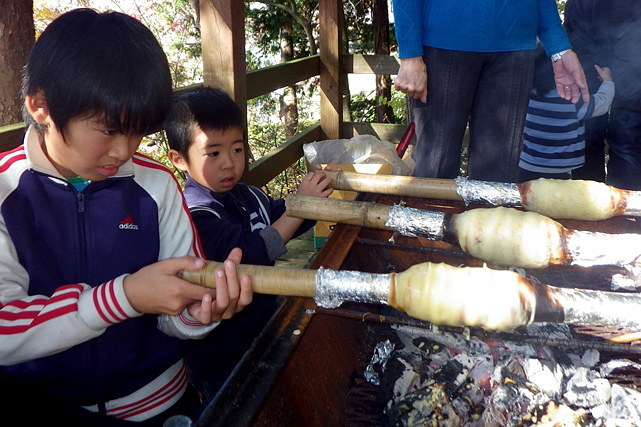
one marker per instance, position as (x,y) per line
(555,57)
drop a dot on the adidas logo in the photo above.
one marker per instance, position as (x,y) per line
(128,223)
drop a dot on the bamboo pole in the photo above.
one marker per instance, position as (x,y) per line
(394,185)
(365,214)
(446,295)
(265,280)
(498,235)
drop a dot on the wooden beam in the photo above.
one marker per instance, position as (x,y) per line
(222,30)
(271,164)
(331,21)
(222,26)
(265,80)
(370,64)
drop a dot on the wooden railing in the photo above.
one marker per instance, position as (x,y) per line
(266,80)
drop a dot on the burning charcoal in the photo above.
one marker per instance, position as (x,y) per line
(554,414)
(608,367)
(586,389)
(505,406)
(547,376)
(408,382)
(590,358)
(454,373)
(428,406)
(625,404)
(454,342)
(557,331)
(482,372)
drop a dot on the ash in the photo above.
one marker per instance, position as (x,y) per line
(451,379)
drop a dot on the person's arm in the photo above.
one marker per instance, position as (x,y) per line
(313,184)
(568,72)
(72,314)
(408,24)
(602,98)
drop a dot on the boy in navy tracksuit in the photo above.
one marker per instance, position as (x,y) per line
(93,318)
(205,132)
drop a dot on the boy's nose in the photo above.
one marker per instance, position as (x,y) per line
(123,146)
(227,162)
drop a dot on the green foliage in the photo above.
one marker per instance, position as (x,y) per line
(363,106)
(265,137)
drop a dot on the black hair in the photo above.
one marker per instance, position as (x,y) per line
(543,72)
(207,109)
(105,65)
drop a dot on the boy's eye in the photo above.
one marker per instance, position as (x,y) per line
(238,150)
(213,154)
(107,132)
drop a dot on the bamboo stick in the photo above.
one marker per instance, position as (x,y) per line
(365,214)
(559,199)
(503,236)
(394,185)
(446,295)
(265,280)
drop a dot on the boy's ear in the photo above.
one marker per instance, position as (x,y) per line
(37,107)
(177,159)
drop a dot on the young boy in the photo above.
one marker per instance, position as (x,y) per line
(205,132)
(92,315)
(554,133)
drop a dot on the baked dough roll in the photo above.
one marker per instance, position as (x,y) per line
(464,296)
(508,236)
(572,199)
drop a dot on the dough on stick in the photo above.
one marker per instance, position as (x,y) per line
(511,237)
(464,296)
(572,199)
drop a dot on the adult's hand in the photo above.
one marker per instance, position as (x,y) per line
(412,78)
(570,78)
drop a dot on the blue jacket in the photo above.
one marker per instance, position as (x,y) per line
(477,25)
(65,322)
(239,218)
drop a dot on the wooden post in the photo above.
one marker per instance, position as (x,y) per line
(222,29)
(331,21)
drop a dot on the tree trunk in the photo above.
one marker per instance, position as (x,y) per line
(384,112)
(17,36)
(288,101)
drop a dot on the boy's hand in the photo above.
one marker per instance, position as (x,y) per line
(156,289)
(232,295)
(315,184)
(605,75)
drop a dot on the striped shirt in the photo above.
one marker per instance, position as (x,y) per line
(554,140)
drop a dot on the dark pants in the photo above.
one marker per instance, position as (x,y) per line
(623,133)
(488,90)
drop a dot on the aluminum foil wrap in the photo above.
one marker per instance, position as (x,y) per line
(598,308)
(416,222)
(494,193)
(633,205)
(588,248)
(382,354)
(333,287)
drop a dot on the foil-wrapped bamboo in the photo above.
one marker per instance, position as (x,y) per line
(559,199)
(446,295)
(500,235)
